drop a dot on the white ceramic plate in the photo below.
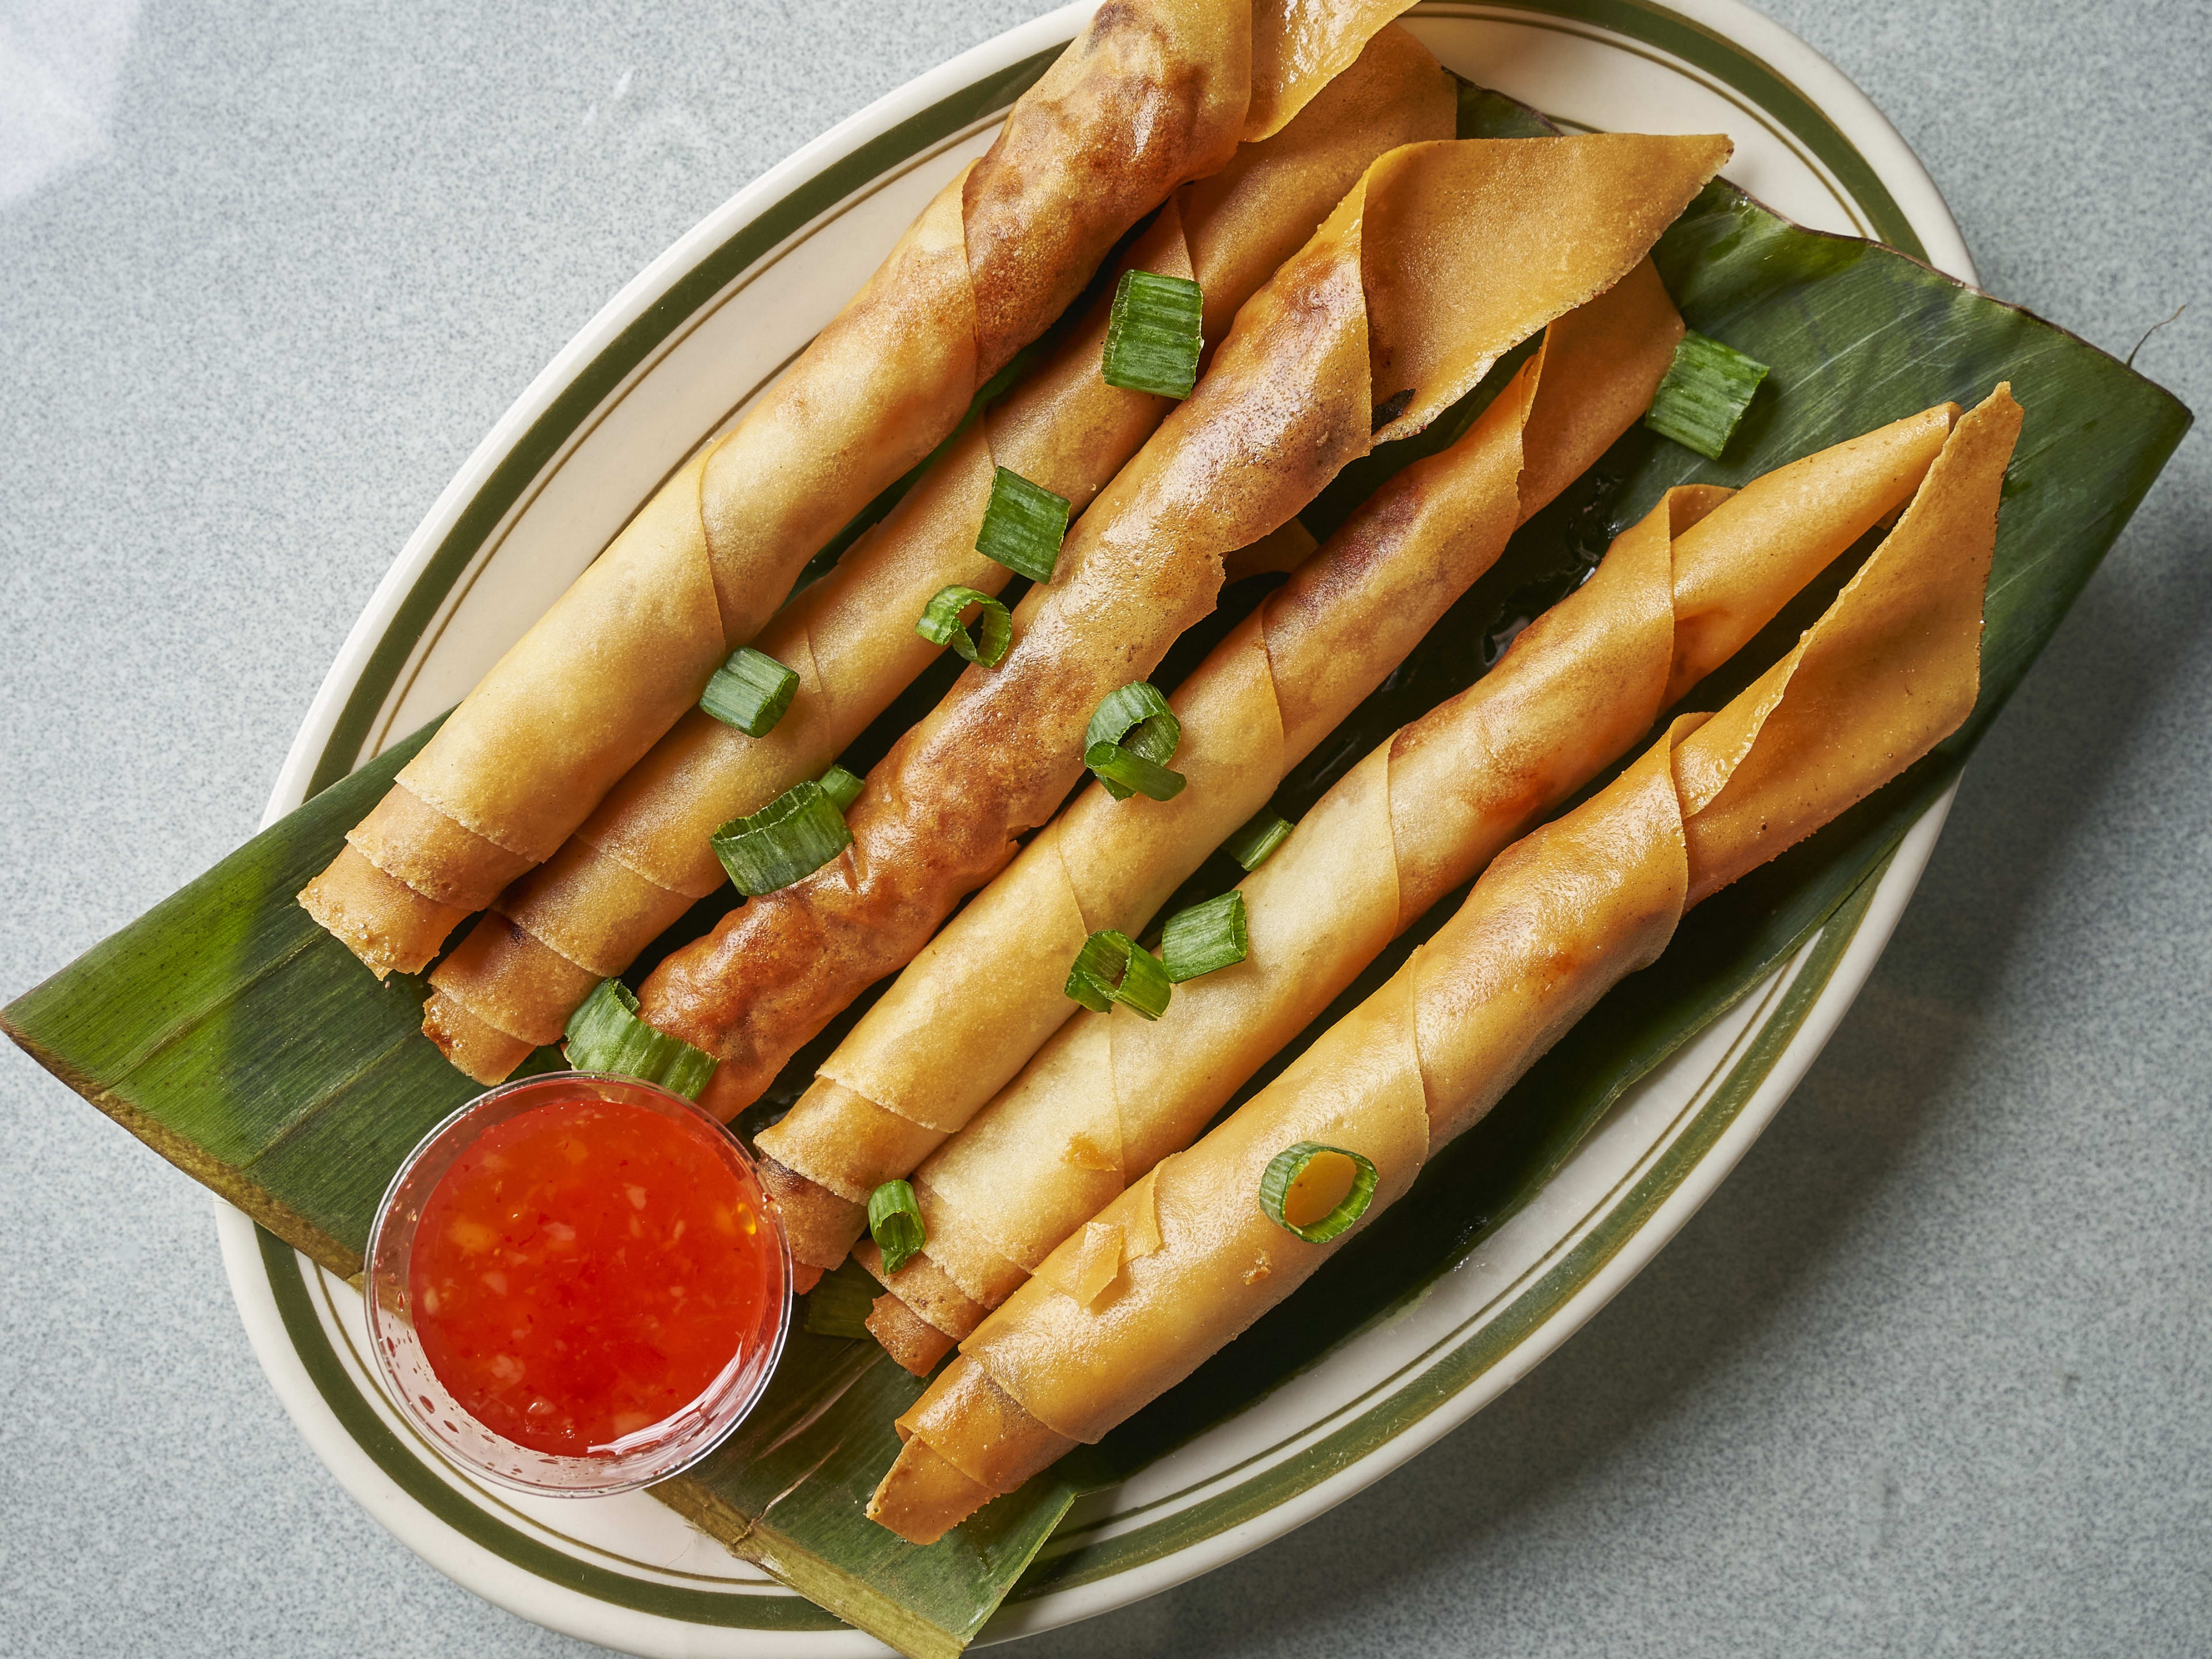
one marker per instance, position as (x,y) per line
(669,362)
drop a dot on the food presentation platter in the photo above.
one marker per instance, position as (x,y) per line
(594,436)
(1594,1159)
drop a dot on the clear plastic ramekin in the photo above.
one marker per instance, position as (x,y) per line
(651,1453)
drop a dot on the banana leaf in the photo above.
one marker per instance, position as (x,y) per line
(244,1044)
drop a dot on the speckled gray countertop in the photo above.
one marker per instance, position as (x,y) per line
(1928,1375)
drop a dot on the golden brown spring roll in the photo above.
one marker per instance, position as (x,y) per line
(1182,1262)
(1151,94)
(643,857)
(1106,1098)
(1442,258)
(976,1003)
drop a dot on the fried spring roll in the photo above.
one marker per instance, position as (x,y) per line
(1190,1258)
(1151,94)
(1442,258)
(976,1004)
(1106,1098)
(643,857)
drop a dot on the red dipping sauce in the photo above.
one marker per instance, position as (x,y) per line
(587,1269)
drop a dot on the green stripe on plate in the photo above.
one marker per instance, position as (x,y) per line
(739,1606)
(1759,81)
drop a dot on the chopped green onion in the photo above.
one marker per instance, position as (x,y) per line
(1317,1191)
(793,835)
(1262,834)
(607,1035)
(1153,334)
(841,1302)
(1111,969)
(1205,936)
(1707,389)
(1138,717)
(895,1223)
(1022,526)
(1130,739)
(749,691)
(940,624)
(1125,774)
(842,786)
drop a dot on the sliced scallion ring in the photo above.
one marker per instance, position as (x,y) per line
(750,691)
(793,835)
(940,624)
(607,1035)
(1022,526)
(1112,968)
(1317,1191)
(1705,393)
(1204,937)
(895,1223)
(1125,774)
(1129,742)
(1262,834)
(842,786)
(1153,334)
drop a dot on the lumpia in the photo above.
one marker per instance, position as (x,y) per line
(1424,811)
(1890,669)
(1385,295)
(1152,93)
(988,989)
(643,857)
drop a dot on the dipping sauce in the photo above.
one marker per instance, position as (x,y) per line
(588,1269)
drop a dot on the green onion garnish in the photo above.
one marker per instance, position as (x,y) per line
(607,1035)
(841,1302)
(895,1223)
(1262,834)
(1129,742)
(793,835)
(1153,335)
(1204,937)
(1111,968)
(1317,1191)
(940,624)
(1022,527)
(1707,389)
(1125,774)
(842,786)
(749,691)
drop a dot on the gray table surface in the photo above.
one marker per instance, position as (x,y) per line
(1928,1375)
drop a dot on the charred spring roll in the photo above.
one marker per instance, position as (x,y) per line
(1109,1095)
(643,857)
(1151,94)
(1443,257)
(1183,1261)
(975,1005)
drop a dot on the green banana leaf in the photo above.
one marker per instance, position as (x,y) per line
(231,1033)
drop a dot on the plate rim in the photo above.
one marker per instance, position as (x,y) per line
(1793,66)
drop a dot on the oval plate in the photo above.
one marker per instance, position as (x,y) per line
(622,407)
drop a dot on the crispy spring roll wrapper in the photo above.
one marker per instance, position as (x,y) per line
(1151,94)
(1106,1098)
(1556,922)
(643,858)
(988,989)
(1504,236)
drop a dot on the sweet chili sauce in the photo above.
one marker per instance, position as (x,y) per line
(587,1269)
